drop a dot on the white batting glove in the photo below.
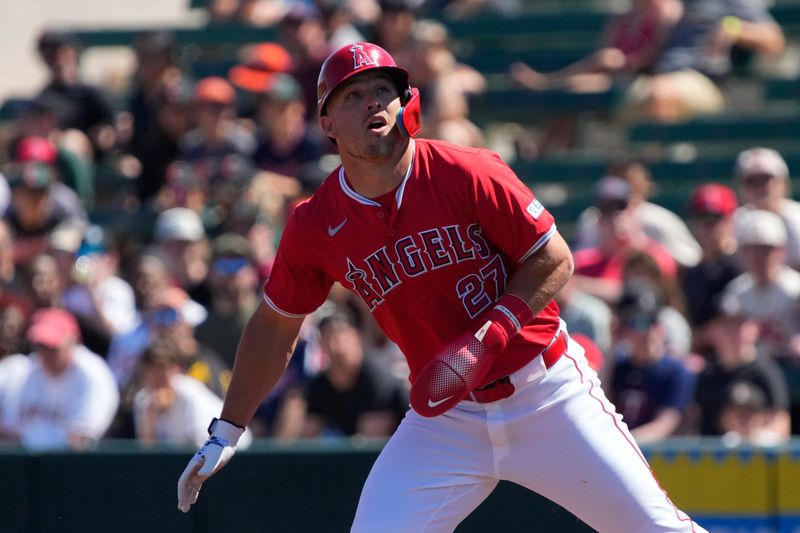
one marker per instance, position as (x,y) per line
(209,459)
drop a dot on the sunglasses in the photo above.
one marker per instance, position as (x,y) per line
(611,207)
(164,317)
(708,219)
(229,265)
(756,180)
(639,323)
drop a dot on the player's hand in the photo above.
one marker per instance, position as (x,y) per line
(463,363)
(209,459)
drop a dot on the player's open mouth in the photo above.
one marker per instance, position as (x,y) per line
(376,124)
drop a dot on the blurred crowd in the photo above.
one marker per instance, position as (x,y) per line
(138,229)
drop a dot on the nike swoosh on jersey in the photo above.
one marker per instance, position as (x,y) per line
(334,230)
(431,403)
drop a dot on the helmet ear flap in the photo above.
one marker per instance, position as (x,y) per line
(406,96)
(409,118)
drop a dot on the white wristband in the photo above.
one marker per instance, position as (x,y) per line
(226,432)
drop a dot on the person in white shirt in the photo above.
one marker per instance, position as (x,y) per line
(763,182)
(768,290)
(172,408)
(69,396)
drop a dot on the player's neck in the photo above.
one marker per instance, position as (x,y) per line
(370,179)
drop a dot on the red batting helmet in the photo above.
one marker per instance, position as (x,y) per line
(353,59)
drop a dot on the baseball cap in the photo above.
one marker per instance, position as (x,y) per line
(50,326)
(713,198)
(283,88)
(745,394)
(759,227)
(36,149)
(761,161)
(261,63)
(214,90)
(179,224)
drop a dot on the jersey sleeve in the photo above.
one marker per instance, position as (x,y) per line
(296,285)
(509,214)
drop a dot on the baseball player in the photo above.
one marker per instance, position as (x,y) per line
(458,263)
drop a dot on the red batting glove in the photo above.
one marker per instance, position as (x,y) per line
(463,363)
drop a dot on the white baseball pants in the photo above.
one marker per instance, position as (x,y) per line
(557,435)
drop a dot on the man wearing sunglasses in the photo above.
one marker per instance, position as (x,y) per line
(234,282)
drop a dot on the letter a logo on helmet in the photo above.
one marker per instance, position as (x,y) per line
(360,57)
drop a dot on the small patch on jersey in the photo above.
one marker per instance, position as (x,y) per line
(535,209)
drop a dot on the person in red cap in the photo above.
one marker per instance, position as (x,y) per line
(711,214)
(218,138)
(69,396)
(458,263)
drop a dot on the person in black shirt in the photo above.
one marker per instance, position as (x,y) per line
(354,395)
(711,214)
(736,360)
(83,107)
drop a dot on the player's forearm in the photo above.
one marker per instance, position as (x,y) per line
(264,350)
(543,274)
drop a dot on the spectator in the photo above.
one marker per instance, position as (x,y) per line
(629,44)
(711,215)
(735,360)
(642,268)
(46,282)
(763,180)
(172,327)
(181,239)
(284,141)
(82,106)
(651,388)
(151,279)
(659,224)
(352,396)
(218,139)
(10,279)
(585,314)
(14,366)
(38,204)
(768,290)
(155,74)
(338,20)
(172,408)
(392,30)
(747,418)
(234,295)
(69,397)
(599,269)
(445,84)
(158,141)
(102,302)
(303,34)
(70,168)
(696,57)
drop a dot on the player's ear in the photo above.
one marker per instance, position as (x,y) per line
(327,126)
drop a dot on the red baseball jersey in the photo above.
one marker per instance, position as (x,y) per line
(430,265)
